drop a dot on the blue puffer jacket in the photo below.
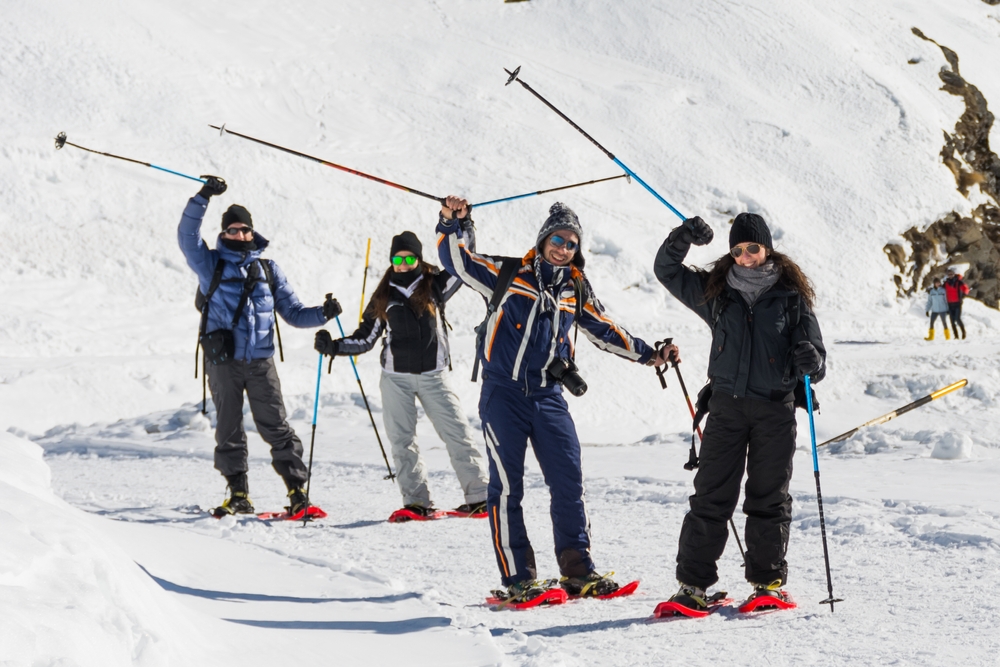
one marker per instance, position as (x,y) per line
(523,338)
(258,315)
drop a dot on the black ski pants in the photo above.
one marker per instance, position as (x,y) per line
(760,436)
(955,313)
(259,379)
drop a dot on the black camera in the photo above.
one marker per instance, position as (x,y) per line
(567,374)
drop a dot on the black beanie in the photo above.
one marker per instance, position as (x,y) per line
(750,228)
(407,241)
(561,217)
(236,213)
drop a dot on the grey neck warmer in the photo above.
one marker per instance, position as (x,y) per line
(751,283)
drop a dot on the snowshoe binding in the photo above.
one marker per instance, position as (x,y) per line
(767,597)
(593,585)
(469,511)
(527,594)
(238,502)
(415,513)
(691,601)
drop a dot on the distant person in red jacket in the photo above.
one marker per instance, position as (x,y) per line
(955,289)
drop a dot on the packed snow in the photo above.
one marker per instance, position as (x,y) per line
(811,114)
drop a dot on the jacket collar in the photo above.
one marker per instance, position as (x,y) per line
(241,258)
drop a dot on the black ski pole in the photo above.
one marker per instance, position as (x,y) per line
(819,497)
(513,77)
(391,475)
(224,130)
(693,459)
(312,439)
(542,192)
(61,141)
(900,411)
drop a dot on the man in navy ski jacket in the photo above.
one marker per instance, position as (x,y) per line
(250,364)
(527,337)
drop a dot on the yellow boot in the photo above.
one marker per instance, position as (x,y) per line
(947,334)
(930,334)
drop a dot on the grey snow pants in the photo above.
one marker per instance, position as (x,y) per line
(259,379)
(399,410)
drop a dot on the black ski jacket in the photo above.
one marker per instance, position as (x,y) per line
(413,343)
(751,346)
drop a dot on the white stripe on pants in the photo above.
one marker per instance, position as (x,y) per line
(399,412)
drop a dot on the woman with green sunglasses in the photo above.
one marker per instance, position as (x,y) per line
(408,307)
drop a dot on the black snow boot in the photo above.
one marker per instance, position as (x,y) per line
(297,501)
(588,586)
(238,501)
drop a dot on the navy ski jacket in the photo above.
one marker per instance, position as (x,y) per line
(254,333)
(522,338)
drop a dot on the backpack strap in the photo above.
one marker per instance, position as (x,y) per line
(580,291)
(268,267)
(201,300)
(509,266)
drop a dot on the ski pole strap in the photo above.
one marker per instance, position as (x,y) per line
(660,370)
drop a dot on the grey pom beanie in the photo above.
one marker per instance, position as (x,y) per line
(561,217)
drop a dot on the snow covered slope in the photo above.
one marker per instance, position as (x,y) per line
(808,113)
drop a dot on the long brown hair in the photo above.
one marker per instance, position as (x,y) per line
(422,299)
(791,277)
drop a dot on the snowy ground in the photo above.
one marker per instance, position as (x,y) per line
(809,114)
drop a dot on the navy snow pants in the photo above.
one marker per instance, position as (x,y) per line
(510,419)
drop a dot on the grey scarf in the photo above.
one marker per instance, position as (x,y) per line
(751,283)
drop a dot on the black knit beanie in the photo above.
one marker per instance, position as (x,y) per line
(236,213)
(407,241)
(750,228)
(561,217)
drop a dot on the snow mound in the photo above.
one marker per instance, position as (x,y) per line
(952,445)
(68,595)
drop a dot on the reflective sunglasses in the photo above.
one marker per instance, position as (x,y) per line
(751,249)
(233,231)
(399,259)
(558,242)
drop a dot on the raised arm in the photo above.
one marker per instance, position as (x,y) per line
(686,284)
(477,271)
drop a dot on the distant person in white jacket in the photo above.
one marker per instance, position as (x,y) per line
(937,306)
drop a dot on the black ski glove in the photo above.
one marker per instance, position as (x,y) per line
(214,185)
(927,313)
(806,358)
(325,344)
(331,307)
(696,231)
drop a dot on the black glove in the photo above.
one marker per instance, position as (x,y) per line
(927,313)
(214,185)
(325,344)
(331,307)
(696,231)
(806,359)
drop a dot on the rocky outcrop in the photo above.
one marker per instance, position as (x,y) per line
(957,239)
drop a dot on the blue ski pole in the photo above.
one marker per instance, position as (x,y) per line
(391,475)
(513,77)
(819,496)
(312,440)
(61,141)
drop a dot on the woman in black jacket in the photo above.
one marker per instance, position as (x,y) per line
(765,338)
(408,307)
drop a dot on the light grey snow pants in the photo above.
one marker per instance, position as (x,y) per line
(399,410)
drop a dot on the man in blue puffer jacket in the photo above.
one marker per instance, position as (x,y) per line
(242,303)
(527,337)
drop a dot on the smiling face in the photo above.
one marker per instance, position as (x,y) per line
(561,247)
(746,258)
